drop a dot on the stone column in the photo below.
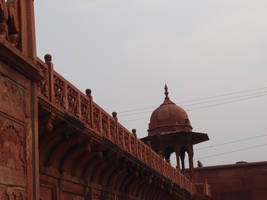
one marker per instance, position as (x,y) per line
(191,164)
(182,160)
(167,157)
(177,153)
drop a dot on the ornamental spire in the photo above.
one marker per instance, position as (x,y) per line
(166,92)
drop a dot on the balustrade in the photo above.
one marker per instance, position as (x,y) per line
(63,95)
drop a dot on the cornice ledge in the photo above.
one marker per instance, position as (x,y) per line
(18,61)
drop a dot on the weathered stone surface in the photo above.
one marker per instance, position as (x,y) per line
(12,98)
(246,181)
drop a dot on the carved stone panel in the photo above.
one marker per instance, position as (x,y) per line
(120,135)
(105,125)
(69,196)
(112,130)
(59,95)
(12,140)
(127,142)
(85,111)
(94,194)
(43,84)
(72,101)
(12,98)
(133,145)
(96,115)
(11,193)
(47,193)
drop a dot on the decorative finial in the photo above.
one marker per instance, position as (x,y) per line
(134,132)
(166,92)
(48,58)
(114,114)
(88,92)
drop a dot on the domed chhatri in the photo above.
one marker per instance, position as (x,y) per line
(168,118)
(170,131)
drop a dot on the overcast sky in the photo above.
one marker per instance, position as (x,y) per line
(126,50)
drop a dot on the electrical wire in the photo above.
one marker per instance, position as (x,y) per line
(208,106)
(229,152)
(227,102)
(205,102)
(232,142)
(198,99)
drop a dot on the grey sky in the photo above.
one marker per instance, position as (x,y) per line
(126,50)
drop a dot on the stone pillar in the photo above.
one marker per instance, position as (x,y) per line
(191,163)
(167,157)
(177,153)
(182,160)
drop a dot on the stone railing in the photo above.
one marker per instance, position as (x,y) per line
(203,188)
(63,95)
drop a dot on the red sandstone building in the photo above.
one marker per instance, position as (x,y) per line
(56,143)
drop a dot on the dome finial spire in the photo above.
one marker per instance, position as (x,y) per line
(166,92)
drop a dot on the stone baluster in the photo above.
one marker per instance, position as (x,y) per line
(115,116)
(89,95)
(177,153)
(48,61)
(78,105)
(135,145)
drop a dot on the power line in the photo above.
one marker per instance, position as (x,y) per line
(227,102)
(229,152)
(232,142)
(199,99)
(221,99)
(226,94)
(205,102)
(208,106)
(131,120)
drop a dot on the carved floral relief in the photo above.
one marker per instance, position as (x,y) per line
(127,143)
(105,125)
(113,130)
(12,98)
(43,84)
(72,101)
(139,150)
(143,153)
(120,135)
(96,114)
(133,145)
(59,91)
(12,142)
(47,192)
(85,111)
(12,193)
(148,155)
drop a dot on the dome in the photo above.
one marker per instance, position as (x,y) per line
(168,118)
